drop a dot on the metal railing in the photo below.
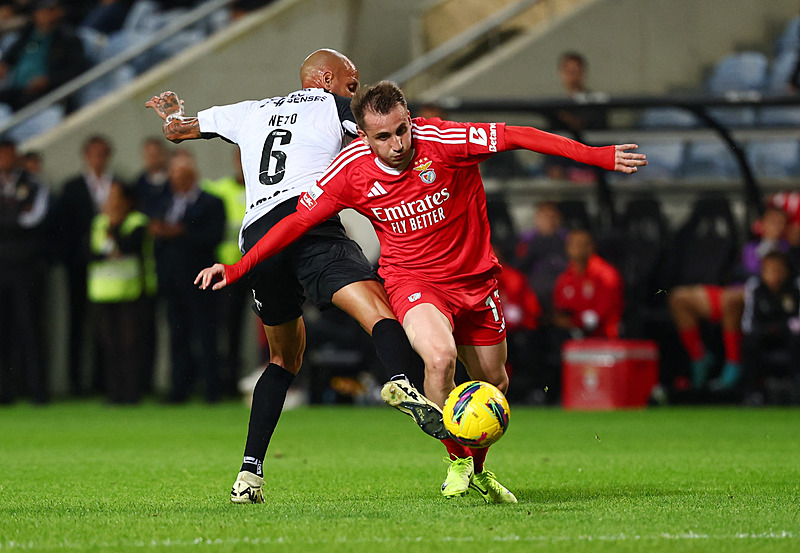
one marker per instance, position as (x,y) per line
(104,68)
(455,44)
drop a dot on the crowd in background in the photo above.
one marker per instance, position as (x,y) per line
(129,247)
(728,331)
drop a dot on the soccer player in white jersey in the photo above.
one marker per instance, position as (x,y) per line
(418,182)
(286,144)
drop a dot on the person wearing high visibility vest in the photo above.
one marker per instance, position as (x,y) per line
(234,306)
(120,274)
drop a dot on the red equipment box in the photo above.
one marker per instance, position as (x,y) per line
(608,373)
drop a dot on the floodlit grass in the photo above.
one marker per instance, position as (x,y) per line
(84,477)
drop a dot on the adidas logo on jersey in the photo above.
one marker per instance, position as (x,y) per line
(376,190)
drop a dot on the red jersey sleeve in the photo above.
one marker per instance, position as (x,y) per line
(543,142)
(464,143)
(313,207)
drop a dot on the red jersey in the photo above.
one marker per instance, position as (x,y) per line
(430,217)
(598,289)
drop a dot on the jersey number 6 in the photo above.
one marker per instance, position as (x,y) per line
(274,177)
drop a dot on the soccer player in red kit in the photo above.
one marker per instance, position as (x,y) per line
(418,182)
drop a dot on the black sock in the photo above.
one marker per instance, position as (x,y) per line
(268,398)
(396,353)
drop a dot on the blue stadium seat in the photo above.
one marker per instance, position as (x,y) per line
(789,41)
(709,159)
(780,71)
(93,43)
(741,72)
(774,158)
(668,118)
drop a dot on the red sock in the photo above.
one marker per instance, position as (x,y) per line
(732,341)
(690,338)
(478,457)
(455,449)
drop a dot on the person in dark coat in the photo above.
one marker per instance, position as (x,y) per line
(186,238)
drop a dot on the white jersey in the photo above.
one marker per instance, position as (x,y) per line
(286,143)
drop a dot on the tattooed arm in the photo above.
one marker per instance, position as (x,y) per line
(177,127)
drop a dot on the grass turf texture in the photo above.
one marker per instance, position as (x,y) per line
(80,476)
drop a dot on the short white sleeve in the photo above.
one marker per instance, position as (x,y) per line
(225,121)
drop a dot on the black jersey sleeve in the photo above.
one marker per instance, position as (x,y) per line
(346,116)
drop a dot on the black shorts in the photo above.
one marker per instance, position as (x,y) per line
(323,261)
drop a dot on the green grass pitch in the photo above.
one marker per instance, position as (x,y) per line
(84,477)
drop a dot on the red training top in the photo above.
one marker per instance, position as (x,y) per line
(599,289)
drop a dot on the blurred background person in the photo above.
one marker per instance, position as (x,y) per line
(82,197)
(152,188)
(691,304)
(24,205)
(119,275)
(572,69)
(186,238)
(234,301)
(46,55)
(541,252)
(588,296)
(521,311)
(771,327)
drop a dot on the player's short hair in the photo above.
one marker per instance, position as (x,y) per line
(379,98)
(97,139)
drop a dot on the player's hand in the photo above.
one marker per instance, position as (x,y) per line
(165,104)
(628,162)
(214,274)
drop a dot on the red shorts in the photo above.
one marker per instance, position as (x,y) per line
(473,308)
(714,294)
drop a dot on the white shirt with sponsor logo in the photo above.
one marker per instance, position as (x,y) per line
(286,143)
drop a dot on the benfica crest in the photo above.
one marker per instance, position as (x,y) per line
(423,167)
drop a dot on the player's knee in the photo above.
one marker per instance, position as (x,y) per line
(500,381)
(289,361)
(441,358)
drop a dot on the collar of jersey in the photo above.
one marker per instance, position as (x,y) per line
(391,170)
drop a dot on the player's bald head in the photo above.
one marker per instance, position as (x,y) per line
(331,70)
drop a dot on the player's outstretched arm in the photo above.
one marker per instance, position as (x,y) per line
(285,231)
(177,127)
(612,158)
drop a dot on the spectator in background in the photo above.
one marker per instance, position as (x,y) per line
(106,16)
(152,187)
(234,301)
(541,254)
(186,238)
(153,195)
(46,55)
(119,275)
(724,304)
(33,163)
(771,326)
(521,311)
(23,255)
(11,21)
(588,296)
(82,197)
(572,68)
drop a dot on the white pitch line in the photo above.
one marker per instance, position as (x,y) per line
(770,535)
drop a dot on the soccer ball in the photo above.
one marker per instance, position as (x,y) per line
(476,414)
